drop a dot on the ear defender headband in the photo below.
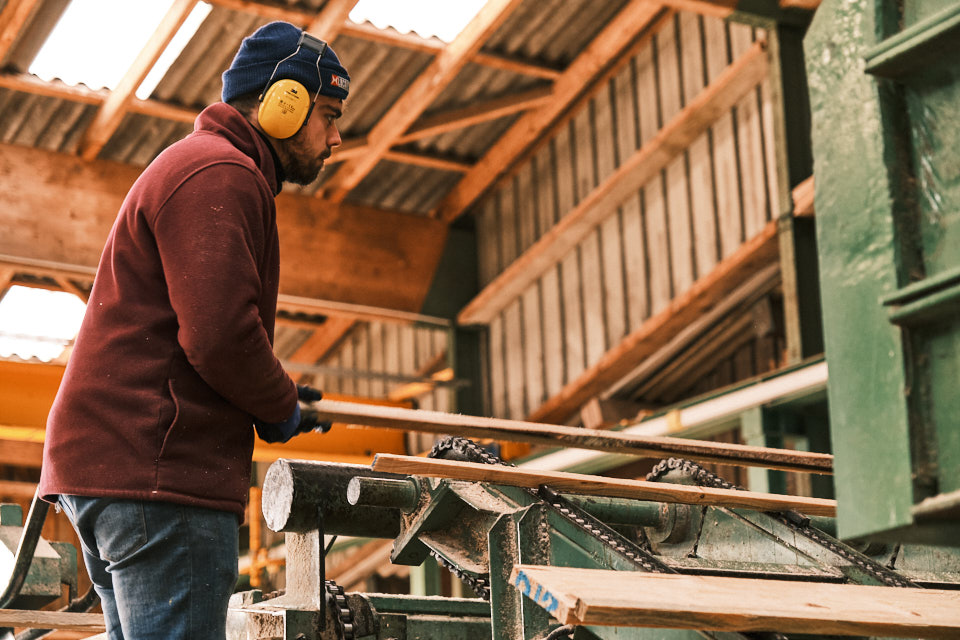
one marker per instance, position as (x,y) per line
(285,104)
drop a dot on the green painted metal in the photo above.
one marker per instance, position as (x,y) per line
(931,39)
(887,214)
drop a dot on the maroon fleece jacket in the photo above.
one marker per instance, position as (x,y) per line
(174,358)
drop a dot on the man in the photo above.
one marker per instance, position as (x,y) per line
(149,441)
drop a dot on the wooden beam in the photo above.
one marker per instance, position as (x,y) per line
(451,120)
(608,46)
(584,484)
(755,254)
(482,111)
(419,94)
(30,619)
(12,20)
(28,83)
(803,198)
(718,603)
(573,437)
(21,454)
(112,111)
(715,8)
(328,24)
(17,490)
(57,209)
(715,100)
(422,160)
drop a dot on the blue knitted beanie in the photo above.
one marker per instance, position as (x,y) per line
(260,52)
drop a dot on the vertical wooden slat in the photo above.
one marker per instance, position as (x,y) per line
(546,189)
(348,384)
(498,393)
(487,242)
(533,361)
(635,263)
(526,212)
(675,174)
(606,141)
(553,342)
(508,224)
(377,387)
(768,104)
(724,145)
(362,358)
(611,254)
(700,173)
(749,143)
(593,300)
(658,245)
(564,176)
(513,336)
(572,317)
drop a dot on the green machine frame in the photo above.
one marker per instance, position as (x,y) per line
(885,103)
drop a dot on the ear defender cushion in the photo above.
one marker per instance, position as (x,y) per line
(284,108)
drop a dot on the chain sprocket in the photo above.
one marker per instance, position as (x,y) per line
(337,604)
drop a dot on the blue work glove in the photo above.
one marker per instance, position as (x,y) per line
(310,419)
(279,431)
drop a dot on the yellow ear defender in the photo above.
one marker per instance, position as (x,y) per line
(285,104)
(284,108)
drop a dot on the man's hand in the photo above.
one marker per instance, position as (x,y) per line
(279,431)
(310,421)
(308,394)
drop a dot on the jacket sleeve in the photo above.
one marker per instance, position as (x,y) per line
(212,235)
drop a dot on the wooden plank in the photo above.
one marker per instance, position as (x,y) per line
(709,290)
(618,34)
(327,24)
(584,484)
(640,599)
(419,94)
(803,198)
(646,163)
(574,437)
(321,341)
(613,296)
(29,619)
(498,383)
(112,111)
(526,211)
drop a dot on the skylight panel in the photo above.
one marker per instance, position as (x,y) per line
(441,18)
(96,41)
(37,323)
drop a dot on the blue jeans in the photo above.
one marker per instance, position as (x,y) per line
(162,570)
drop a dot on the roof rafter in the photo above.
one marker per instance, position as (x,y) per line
(618,35)
(386,36)
(111,112)
(421,92)
(12,19)
(453,119)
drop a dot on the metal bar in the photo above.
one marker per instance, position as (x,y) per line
(384,492)
(928,41)
(25,549)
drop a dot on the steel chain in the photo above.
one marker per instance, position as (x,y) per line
(797,522)
(342,616)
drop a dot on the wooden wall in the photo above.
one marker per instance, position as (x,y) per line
(711,198)
(389,348)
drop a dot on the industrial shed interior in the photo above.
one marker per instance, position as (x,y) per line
(570,286)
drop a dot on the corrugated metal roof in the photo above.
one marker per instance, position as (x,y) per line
(548,32)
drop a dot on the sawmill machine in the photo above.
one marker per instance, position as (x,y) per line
(546,562)
(885,110)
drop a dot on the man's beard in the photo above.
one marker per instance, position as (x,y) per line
(300,166)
